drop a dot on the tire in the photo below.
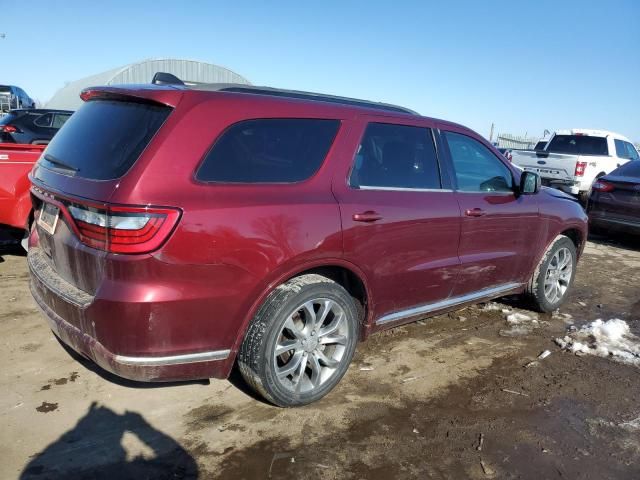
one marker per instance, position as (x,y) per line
(540,288)
(325,348)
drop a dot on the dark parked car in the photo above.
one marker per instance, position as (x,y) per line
(614,203)
(12,97)
(37,126)
(181,231)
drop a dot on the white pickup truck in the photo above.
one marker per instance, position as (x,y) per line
(573,159)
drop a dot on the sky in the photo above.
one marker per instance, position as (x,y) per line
(523,66)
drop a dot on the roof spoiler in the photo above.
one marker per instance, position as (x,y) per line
(163,78)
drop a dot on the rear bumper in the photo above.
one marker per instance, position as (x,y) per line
(144,369)
(76,330)
(567,186)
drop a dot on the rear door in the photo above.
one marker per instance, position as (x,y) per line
(400,219)
(498,227)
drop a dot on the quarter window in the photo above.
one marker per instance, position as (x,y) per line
(44,120)
(396,156)
(477,169)
(276,150)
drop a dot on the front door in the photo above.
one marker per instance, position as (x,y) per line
(499,226)
(401,225)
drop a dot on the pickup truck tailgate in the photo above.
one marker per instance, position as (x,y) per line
(556,166)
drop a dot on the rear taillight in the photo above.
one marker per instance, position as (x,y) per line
(123,229)
(9,129)
(602,186)
(580,168)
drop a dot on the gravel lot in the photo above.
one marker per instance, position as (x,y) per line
(447,397)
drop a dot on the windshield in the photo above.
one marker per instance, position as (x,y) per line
(578,145)
(104,138)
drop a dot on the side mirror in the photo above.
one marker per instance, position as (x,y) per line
(529,183)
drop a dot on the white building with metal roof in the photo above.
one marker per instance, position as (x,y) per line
(189,71)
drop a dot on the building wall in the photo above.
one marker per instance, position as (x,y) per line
(68,97)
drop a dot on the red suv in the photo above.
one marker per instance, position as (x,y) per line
(181,230)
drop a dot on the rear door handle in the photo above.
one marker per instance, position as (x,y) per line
(474,212)
(368,216)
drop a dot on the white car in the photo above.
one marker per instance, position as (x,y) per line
(573,159)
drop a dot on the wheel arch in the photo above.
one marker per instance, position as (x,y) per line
(341,271)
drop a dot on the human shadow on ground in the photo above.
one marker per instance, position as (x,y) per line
(96,448)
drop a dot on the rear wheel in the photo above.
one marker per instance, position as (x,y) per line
(301,341)
(553,278)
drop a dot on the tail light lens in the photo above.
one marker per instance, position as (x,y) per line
(9,129)
(123,229)
(602,186)
(580,168)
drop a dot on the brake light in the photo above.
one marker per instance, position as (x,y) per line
(580,168)
(123,229)
(602,186)
(9,129)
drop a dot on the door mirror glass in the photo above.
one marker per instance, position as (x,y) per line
(529,183)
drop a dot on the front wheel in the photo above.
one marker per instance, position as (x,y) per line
(553,277)
(301,341)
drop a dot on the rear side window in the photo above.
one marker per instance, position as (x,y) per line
(396,156)
(104,138)
(625,150)
(60,119)
(269,150)
(578,145)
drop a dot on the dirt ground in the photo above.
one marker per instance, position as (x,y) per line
(447,397)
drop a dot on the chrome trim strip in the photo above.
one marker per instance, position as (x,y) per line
(449,302)
(402,189)
(173,359)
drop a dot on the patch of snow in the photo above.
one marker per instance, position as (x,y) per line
(520,324)
(610,339)
(491,306)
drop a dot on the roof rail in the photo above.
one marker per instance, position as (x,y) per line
(168,79)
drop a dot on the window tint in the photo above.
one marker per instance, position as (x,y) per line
(540,145)
(44,120)
(578,144)
(275,150)
(104,138)
(59,119)
(629,169)
(477,169)
(396,156)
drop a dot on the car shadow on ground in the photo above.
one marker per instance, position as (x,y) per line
(624,241)
(107,445)
(235,378)
(14,250)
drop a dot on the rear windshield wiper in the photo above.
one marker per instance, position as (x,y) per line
(51,159)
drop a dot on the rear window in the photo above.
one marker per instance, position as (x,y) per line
(629,169)
(540,145)
(578,145)
(274,150)
(104,138)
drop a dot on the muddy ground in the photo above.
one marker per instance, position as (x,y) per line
(448,397)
